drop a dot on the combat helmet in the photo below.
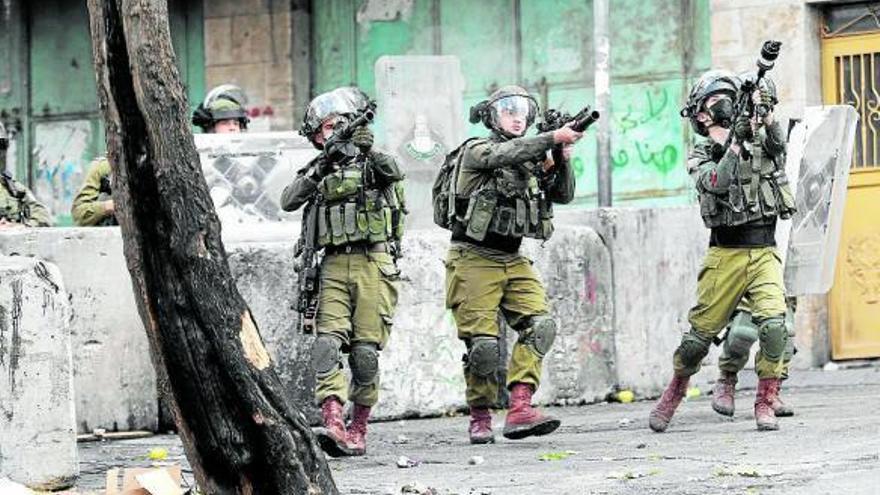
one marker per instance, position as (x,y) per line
(224,102)
(341,102)
(512,99)
(710,83)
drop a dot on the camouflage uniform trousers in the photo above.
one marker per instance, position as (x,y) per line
(357,303)
(727,275)
(476,288)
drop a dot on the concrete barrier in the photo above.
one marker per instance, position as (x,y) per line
(113,378)
(37,422)
(620,282)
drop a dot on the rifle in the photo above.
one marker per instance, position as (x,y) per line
(308,268)
(553,119)
(744,104)
(335,145)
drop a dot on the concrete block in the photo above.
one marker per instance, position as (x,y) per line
(251,39)
(37,424)
(114,379)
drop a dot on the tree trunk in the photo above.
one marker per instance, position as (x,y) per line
(241,433)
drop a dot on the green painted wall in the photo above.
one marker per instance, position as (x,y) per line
(658,46)
(60,124)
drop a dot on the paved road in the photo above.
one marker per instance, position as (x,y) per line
(832,446)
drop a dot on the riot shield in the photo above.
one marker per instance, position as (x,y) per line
(822,144)
(247,172)
(420,112)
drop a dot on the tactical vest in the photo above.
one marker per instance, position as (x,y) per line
(509,202)
(350,211)
(759,189)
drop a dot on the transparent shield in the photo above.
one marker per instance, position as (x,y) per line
(422,119)
(247,172)
(822,145)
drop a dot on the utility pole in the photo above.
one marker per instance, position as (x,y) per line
(602,85)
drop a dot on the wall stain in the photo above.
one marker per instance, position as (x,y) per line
(15,346)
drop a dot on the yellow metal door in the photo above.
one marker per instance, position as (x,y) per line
(851,75)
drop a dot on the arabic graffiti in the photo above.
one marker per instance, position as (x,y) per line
(642,132)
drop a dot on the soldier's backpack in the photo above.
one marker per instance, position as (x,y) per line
(443,192)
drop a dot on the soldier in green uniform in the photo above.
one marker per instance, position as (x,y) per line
(504,187)
(18,206)
(742,332)
(222,111)
(742,190)
(357,194)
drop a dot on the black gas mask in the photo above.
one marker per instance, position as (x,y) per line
(721,112)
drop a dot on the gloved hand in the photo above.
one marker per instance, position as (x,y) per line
(742,129)
(362,137)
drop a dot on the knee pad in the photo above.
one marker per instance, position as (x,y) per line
(742,334)
(326,356)
(364,362)
(484,355)
(693,348)
(774,337)
(541,335)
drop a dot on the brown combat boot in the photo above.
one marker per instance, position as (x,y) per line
(357,430)
(523,420)
(480,429)
(722,394)
(768,388)
(781,409)
(332,438)
(668,403)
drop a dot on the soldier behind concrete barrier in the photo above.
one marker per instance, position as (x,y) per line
(503,189)
(742,333)
(742,191)
(357,195)
(18,206)
(222,111)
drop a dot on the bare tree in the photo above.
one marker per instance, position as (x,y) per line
(241,433)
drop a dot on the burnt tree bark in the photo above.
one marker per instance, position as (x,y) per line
(242,435)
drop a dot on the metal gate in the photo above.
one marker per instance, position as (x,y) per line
(851,75)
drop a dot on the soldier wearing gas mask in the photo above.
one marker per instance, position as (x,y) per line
(742,332)
(222,111)
(357,193)
(18,205)
(504,187)
(742,189)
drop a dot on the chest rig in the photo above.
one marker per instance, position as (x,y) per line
(507,201)
(351,209)
(759,188)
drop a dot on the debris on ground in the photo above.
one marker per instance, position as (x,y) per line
(418,489)
(157,454)
(400,440)
(556,456)
(405,462)
(626,396)
(476,460)
(147,481)
(694,392)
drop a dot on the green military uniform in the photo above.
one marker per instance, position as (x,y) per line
(740,200)
(18,204)
(499,200)
(88,205)
(742,333)
(360,218)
